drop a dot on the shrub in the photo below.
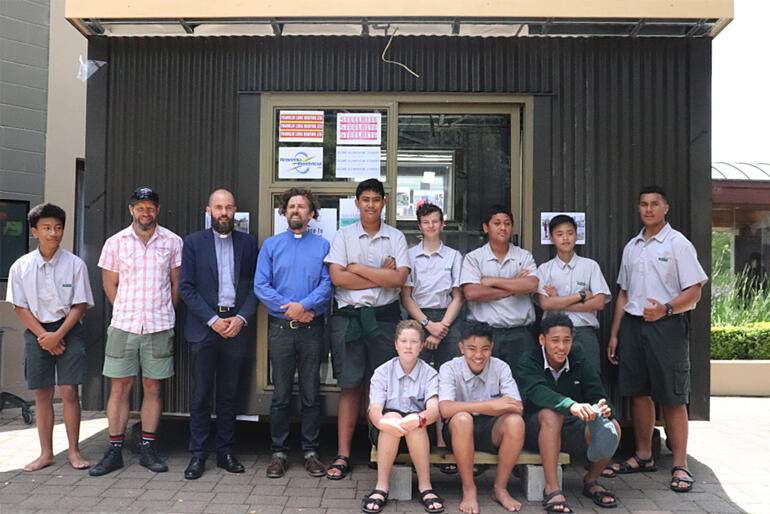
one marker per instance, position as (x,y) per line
(750,341)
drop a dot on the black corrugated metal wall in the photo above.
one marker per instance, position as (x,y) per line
(611,115)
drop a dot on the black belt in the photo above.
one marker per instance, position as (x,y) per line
(641,318)
(220,308)
(293,324)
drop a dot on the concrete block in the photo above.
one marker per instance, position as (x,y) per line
(401,483)
(533,481)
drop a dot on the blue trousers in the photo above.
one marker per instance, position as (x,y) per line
(216,361)
(300,349)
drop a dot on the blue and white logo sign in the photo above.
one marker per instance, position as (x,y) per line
(300,162)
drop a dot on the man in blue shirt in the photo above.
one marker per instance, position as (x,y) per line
(293,282)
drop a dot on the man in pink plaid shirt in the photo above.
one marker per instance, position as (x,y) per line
(140,269)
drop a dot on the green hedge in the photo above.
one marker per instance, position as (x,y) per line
(750,341)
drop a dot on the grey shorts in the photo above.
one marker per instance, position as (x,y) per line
(587,340)
(482,433)
(447,348)
(42,370)
(573,435)
(512,343)
(654,359)
(125,352)
(355,361)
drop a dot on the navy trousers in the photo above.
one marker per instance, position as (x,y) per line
(216,361)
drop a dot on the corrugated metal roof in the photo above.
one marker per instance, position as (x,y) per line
(740,171)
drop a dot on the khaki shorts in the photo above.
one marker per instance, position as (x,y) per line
(125,352)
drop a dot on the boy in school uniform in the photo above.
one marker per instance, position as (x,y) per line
(50,291)
(574,285)
(432,295)
(481,407)
(368,264)
(497,280)
(403,402)
(660,279)
(565,408)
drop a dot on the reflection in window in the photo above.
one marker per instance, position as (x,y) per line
(462,162)
(14,233)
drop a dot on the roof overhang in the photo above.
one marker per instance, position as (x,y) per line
(554,18)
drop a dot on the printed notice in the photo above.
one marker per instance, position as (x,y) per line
(301,126)
(546,217)
(358,162)
(325,226)
(359,128)
(300,162)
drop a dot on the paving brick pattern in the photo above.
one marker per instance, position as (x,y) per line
(729,456)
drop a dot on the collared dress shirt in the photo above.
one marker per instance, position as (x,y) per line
(223,248)
(512,311)
(579,274)
(143,304)
(49,289)
(456,381)
(395,389)
(352,244)
(291,269)
(659,268)
(554,373)
(433,276)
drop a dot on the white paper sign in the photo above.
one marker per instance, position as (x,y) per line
(241,222)
(301,126)
(360,128)
(300,162)
(325,226)
(358,162)
(546,217)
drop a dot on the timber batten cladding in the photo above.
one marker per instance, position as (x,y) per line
(610,115)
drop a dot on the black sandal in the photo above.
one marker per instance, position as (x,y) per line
(598,496)
(550,506)
(624,468)
(427,502)
(688,480)
(379,503)
(344,469)
(448,469)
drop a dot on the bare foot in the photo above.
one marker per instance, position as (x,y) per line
(501,496)
(40,463)
(470,503)
(77,461)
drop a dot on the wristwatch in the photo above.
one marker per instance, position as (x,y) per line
(424,322)
(669,309)
(582,294)
(423,420)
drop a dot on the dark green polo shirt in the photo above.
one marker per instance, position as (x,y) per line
(580,384)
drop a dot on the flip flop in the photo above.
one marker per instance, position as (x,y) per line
(688,480)
(604,437)
(598,496)
(448,469)
(550,506)
(344,469)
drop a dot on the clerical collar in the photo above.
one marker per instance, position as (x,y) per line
(297,236)
(222,236)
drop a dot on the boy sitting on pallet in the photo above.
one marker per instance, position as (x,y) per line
(565,408)
(402,403)
(481,407)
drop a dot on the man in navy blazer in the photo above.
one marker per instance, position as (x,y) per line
(216,284)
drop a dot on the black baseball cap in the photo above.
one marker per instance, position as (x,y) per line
(144,194)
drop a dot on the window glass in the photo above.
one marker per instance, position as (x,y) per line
(462,162)
(307,139)
(14,233)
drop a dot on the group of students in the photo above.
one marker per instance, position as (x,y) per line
(491,384)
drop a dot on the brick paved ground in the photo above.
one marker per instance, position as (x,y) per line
(728,455)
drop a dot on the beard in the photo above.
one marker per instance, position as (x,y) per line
(223,225)
(296,224)
(146,226)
